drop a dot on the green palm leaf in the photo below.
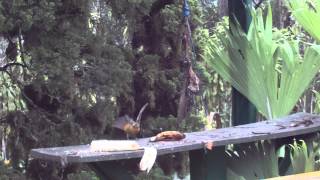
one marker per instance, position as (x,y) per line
(307,13)
(269,71)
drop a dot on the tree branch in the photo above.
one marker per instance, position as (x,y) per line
(158,5)
(6,66)
(3,120)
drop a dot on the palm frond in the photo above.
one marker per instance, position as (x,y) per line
(264,159)
(268,70)
(307,13)
(253,161)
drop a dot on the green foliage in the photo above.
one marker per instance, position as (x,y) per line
(157,173)
(216,92)
(302,158)
(263,160)
(9,95)
(307,13)
(83,175)
(8,173)
(268,71)
(317,106)
(158,124)
(254,161)
(85,63)
(67,93)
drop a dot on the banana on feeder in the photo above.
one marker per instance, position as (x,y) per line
(168,136)
(128,125)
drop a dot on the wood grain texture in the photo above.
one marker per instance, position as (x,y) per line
(296,124)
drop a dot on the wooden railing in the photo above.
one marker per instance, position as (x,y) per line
(204,163)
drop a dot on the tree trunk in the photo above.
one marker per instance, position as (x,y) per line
(223,8)
(281,15)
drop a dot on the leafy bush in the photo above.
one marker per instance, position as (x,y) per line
(264,160)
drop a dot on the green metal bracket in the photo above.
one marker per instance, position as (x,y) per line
(243,112)
(110,170)
(210,165)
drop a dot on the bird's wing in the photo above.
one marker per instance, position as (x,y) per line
(140,113)
(121,122)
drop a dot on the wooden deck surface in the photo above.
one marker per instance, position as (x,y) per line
(296,124)
(304,176)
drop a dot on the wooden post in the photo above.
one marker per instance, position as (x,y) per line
(212,165)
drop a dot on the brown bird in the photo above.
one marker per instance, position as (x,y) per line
(128,125)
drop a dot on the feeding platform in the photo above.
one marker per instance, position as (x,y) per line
(293,125)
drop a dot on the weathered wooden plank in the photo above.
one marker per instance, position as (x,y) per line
(305,176)
(297,124)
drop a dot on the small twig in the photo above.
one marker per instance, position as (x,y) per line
(281,126)
(260,132)
(305,122)
(21,48)
(40,109)
(257,5)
